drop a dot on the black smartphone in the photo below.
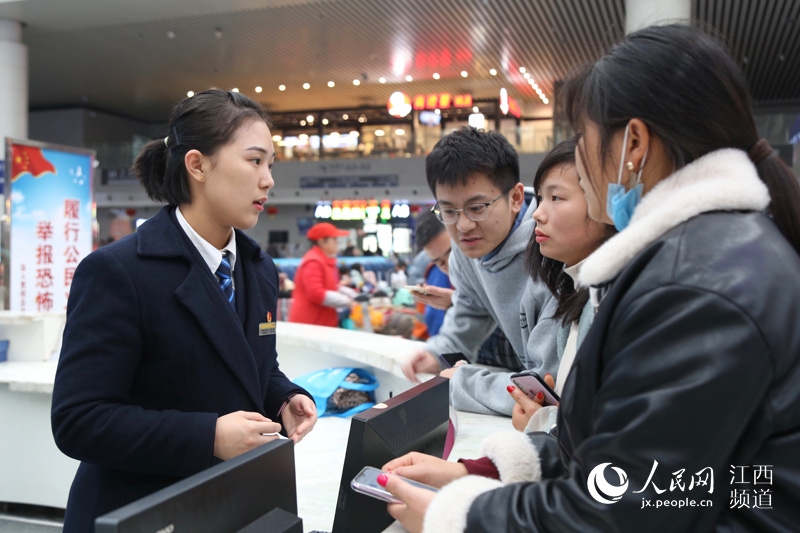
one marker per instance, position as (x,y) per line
(532,384)
(452,358)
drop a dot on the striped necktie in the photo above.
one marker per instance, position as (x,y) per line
(224,278)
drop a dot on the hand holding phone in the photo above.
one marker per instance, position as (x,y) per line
(416,288)
(366,482)
(451,359)
(532,384)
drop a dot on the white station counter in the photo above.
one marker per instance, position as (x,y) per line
(34,471)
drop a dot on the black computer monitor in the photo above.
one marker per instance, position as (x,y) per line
(415,420)
(278,236)
(258,486)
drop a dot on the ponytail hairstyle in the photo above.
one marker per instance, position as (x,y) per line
(205,122)
(549,271)
(684,85)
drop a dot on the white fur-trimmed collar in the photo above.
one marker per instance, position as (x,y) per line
(725,179)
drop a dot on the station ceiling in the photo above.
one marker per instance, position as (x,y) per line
(138,58)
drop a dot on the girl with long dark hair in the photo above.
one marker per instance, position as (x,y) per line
(564,237)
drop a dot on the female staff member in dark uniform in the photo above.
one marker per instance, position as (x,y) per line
(168,362)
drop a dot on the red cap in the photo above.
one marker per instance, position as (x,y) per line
(325,229)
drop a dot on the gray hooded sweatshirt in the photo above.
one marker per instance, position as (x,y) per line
(488,293)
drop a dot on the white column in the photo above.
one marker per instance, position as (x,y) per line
(13,82)
(642,13)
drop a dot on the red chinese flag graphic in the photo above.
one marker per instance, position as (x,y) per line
(27,159)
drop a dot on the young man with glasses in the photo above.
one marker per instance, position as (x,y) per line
(474,176)
(432,236)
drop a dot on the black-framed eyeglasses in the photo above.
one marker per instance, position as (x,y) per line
(475,212)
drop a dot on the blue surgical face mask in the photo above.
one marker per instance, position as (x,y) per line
(620,203)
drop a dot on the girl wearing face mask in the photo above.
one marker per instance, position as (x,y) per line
(688,375)
(564,237)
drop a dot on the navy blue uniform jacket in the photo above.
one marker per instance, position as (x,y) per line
(152,355)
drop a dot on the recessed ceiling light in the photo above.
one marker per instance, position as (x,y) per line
(522,70)
(527,75)
(235,90)
(356,82)
(331,84)
(276,138)
(436,75)
(382,79)
(190,94)
(475,109)
(399,131)
(437,111)
(493,72)
(302,122)
(310,118)
(409,78)
(306,86)
(259,89)
(545,100)
(325,121)
(281,87)
(345,116)
(464,74)
(379,133)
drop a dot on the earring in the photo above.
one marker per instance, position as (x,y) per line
(632,176)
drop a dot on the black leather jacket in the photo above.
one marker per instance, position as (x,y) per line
(693,361)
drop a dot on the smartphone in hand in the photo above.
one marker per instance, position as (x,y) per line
(531,384)
(366,482)
(452,358)
(416,288)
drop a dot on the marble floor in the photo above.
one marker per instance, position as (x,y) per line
(23,524)
(17,518)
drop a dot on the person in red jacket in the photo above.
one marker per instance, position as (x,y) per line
(317,291)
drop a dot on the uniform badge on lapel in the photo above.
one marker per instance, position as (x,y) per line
(268,327)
